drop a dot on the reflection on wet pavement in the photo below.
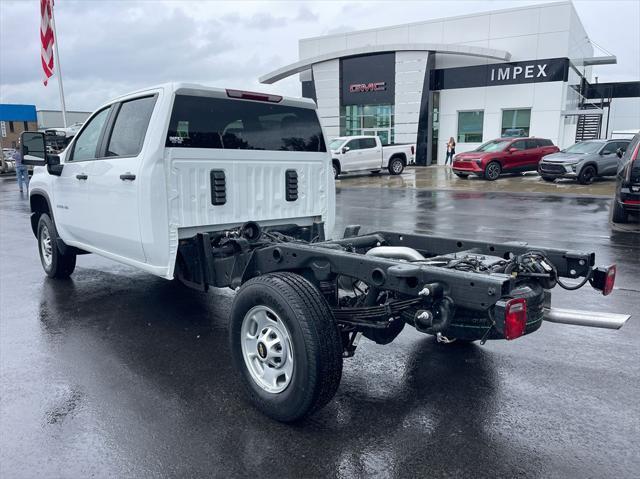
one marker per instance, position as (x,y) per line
(116,373)
(442,178)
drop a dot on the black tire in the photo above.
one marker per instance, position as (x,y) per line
(316,345)
(619,215)
(550,179)
(54,263)
(492,171)
(396,165)
(464,176)
(336,169)
(587,175)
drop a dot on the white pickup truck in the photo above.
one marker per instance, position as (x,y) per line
(362,153)
(225,188)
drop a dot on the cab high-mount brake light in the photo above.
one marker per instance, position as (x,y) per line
(250,95)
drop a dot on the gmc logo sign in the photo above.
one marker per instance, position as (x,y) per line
(365,87)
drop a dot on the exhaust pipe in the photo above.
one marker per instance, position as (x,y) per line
(585,318)
(396,252)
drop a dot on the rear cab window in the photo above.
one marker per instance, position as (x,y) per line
(221,123)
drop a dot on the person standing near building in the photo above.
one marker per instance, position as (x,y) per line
(451,150)
(22,173)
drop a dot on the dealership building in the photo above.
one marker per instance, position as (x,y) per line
(471,77)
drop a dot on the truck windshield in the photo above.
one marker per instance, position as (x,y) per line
(493,145)
(335,144)
(205,122)
(584,147)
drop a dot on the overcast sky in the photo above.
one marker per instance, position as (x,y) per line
(110,47)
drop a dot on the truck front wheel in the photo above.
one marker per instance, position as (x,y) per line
(286,345)
(54,262)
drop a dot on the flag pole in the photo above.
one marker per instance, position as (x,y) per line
(57,61)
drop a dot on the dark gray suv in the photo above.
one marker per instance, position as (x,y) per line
(584,161)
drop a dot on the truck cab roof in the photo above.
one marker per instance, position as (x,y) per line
(187,88)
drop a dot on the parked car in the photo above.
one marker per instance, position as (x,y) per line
(584,161)
(514,133)
(362,153)
(627,198)
(504,155)
(7,163)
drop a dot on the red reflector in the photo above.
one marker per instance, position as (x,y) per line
(515,318)
(609,280)
(250,95)
(631,202)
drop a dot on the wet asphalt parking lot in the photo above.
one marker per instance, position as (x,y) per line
(116,373)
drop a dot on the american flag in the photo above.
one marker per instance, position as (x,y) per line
(46,38)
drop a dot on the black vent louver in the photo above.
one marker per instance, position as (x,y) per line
(218,187)
(291,185)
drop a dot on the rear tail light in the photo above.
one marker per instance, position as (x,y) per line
(250,95)
(632,163)
(413,150)
(603,278)
(609,281)
(515,318)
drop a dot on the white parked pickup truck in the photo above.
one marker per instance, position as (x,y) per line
(233,189)
(362,153)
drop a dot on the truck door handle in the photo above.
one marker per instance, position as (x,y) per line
(82,176)
(127,176)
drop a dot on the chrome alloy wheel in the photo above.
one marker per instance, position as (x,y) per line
(267,349)
(46,246)
(397,167)
(493,171)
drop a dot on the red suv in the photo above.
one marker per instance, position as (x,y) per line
(504,155)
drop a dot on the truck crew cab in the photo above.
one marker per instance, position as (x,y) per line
(366,153)
(226,188)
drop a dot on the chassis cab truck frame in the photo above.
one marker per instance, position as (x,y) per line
(226,188)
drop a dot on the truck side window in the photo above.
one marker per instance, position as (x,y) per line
(86,142)
(130,127)
(366,143)
(354,145)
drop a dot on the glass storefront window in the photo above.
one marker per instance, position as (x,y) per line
(374,120)
(516,122)
(470,125)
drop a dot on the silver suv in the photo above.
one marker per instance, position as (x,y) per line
(584,161)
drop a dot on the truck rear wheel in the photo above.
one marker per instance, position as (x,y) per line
(286,345)
(396,166)
(54,263)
